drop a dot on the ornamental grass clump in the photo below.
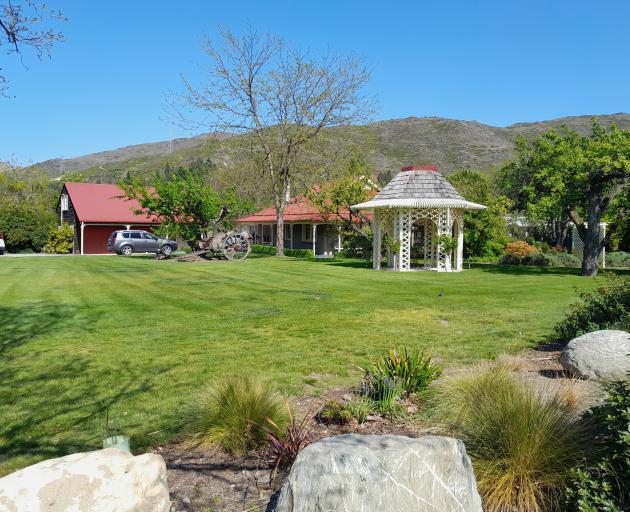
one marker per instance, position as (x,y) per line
(235,413)
(523,439)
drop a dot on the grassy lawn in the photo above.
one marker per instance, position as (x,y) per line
(79,336)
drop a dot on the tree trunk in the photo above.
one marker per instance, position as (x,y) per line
(592,241)
(280,231)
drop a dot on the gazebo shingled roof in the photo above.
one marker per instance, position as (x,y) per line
(418,187)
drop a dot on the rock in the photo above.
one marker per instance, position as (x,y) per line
(107,480)
(381,473)
(601,355)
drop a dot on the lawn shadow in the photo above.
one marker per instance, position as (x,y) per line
(529,270)
(21,324)
(363,264)
(526,270)
(61,394)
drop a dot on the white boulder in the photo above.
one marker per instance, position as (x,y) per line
(600,355)
(381,473)
(102,481)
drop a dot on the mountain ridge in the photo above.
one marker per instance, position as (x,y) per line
(448,143)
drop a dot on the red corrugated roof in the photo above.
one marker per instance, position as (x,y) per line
(102,202)
(298,210)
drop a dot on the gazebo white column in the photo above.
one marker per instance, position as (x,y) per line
(460,241)
(404,237)
(377,240)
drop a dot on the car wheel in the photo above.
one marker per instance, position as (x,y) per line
(166,250)
(126,250)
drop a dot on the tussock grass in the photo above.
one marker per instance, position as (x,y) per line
(523,437)
(235,413)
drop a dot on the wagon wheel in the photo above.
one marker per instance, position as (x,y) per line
(236,246)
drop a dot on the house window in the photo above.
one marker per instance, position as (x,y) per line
(287,231)
(307,233)
(266,234)
(64,202)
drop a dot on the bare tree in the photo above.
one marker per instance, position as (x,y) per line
(19,28)
(280,97)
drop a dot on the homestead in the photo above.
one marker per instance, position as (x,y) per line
(305,227)
(94,210)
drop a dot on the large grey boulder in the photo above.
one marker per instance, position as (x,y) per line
(601,355)
(381,473)
(102,481)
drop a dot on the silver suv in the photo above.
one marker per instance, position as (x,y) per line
(126,242)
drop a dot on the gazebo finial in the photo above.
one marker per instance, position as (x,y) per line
(419,210)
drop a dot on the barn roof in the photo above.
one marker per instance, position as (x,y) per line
(298,210)
(418,187)
(106,203)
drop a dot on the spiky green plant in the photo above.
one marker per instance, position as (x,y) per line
(235,413)
(361,408)
(523,438)
(412,370)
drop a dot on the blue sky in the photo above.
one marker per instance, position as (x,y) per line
(497,62)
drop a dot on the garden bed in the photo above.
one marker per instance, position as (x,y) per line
(204,480)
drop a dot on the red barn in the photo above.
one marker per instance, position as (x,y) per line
(95,210)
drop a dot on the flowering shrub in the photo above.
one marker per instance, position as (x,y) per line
(520,249)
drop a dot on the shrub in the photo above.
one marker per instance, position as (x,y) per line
(412,371)
(285,446)
(604,483)
(60,239)
(271,251)
(235,413)
(604,307)
(333,413)
(564,259)
(557,259)
(520,248)
(361,408)
(523,439)
(618,259)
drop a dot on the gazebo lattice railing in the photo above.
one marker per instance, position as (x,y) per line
(398,224)
(419,208)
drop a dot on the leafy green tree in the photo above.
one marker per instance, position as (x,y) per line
(333,200)
(186,206)
(26,209)
(485,231)
(562,173)
(26,227)
(72,177)
(618,218)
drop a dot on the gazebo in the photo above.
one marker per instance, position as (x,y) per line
(421,216)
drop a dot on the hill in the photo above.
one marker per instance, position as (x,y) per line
(450,144)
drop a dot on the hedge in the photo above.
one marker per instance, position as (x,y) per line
(271,251)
